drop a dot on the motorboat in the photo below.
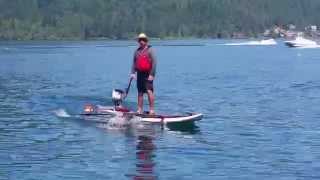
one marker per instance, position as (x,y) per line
(300,42)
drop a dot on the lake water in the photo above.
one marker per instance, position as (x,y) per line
(261,107)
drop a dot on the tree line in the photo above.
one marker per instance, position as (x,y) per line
(123,19)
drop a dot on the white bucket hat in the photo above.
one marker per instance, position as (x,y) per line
(142,36)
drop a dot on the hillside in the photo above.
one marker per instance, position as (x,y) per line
(122,19)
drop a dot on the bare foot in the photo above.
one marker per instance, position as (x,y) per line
(139,111)
(152,112)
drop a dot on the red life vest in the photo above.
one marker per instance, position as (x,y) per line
(143,61)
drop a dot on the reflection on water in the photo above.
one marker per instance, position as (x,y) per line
(187,127)
(145,158)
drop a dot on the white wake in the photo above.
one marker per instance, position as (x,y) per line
(61,113)
(267,42)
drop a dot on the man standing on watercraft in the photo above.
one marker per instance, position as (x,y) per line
(144,69)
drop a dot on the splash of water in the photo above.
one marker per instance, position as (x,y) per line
(120,122)
(117,122)
(61,113)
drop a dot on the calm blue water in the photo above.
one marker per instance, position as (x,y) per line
(261,107)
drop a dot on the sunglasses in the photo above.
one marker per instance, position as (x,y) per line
(143,39)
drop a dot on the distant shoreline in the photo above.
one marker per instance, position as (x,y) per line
(131,39)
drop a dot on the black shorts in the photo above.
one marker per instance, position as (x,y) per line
(143,84)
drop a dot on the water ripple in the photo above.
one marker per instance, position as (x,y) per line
(260,113)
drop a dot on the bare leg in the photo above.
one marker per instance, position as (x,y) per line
(140,103)
(151,101)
